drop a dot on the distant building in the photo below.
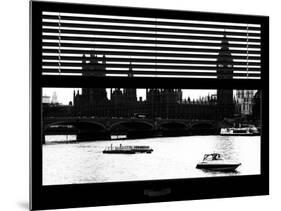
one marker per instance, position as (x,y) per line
(164,103)
(51,107)
(46,99)
(257,111)
(129,93)
(54,98)
(213,97)
(244,101)
(91,101)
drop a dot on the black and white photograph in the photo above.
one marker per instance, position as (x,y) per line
(128,134)
(140,105)
(115,134)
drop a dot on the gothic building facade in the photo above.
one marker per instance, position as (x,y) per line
(245,102)
(164,103)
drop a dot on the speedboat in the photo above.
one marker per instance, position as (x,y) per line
(215,162)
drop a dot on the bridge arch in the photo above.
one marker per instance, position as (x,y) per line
(174,125)
(84,130)
(132,125)
(203,128)
(202,124)
(82,125)
(173,128)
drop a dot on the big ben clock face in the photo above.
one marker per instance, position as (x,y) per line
(133,105)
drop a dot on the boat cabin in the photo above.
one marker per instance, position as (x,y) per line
(213,156)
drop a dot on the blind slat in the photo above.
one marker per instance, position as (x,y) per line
(128,53)
(162,23)
(150,48)
(136,34)
(154,42)
(147,29)
(161,73)
(176,67)
(74,43)
(151,60)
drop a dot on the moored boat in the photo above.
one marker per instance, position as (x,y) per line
(141,149)
(243,131)
(127,149)
(215,162)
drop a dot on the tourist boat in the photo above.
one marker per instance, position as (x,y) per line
(141,149)
(215,162)
(241,131)
(127,149)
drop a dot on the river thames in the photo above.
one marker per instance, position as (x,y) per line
(172,158)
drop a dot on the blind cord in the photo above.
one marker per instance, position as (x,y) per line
(59,45)
(247,49)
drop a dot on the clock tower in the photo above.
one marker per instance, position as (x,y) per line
(225,71)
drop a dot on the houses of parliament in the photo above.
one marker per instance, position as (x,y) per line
(159,103)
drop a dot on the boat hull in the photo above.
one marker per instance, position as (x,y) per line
(218,167)
(128,150)
(118,152)
(239,134)
(143,151)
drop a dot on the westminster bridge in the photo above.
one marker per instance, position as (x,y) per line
(95,128)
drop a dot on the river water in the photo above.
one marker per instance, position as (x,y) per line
(172,158)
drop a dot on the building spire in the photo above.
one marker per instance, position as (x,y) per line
(94,58)
(84,60)
(130,74)
(224,42)
(103,59)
